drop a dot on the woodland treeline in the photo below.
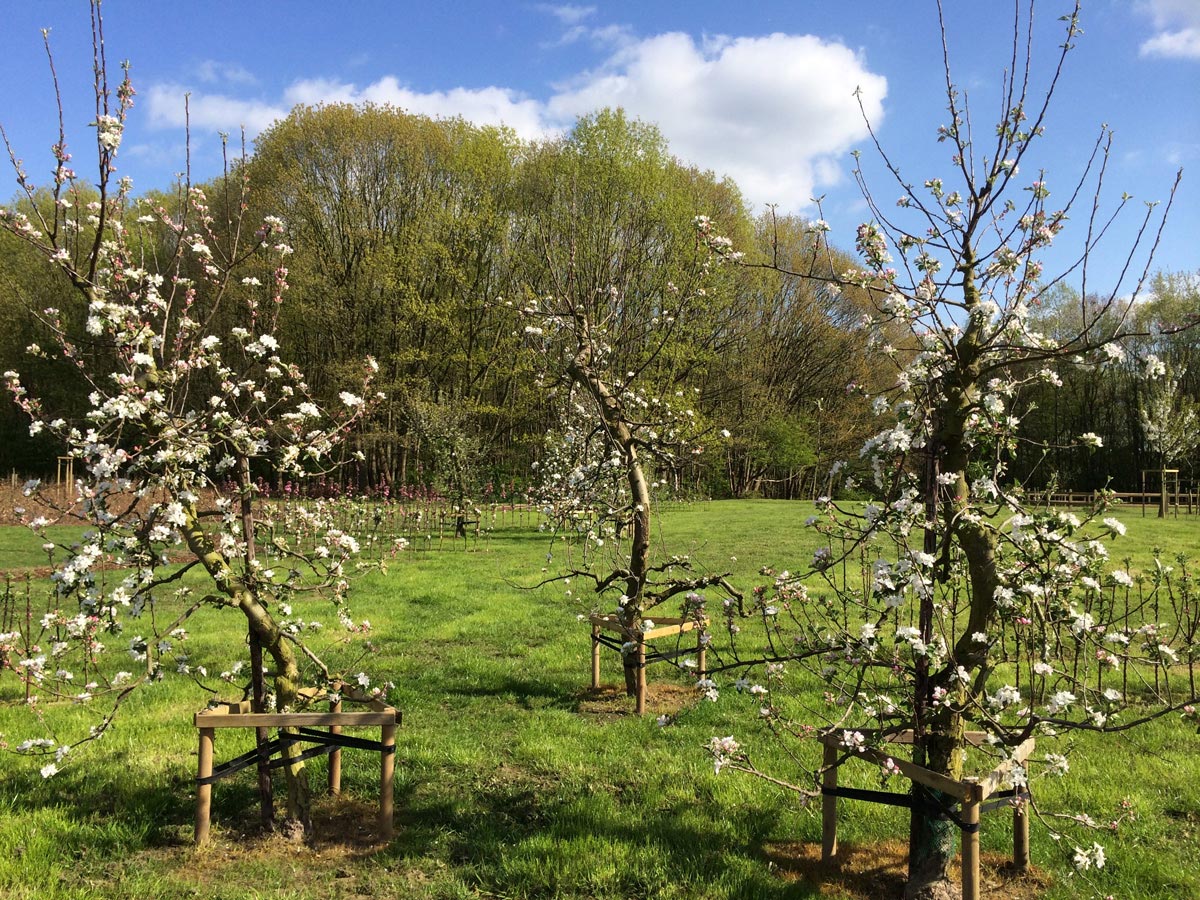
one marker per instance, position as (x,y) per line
(416,241)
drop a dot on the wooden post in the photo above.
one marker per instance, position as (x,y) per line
(829,803)
(970,844)
(595,656)
(702,654)
(204,770)
(1021,836)
(266,802)
(335,756)
(387,769)
(641,675)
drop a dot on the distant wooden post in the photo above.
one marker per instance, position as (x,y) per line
(66,476)
(595,656)
(829,780)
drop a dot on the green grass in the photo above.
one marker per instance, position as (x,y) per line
(512,780)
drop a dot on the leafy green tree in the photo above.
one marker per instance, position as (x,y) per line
(401,226)
(802,363)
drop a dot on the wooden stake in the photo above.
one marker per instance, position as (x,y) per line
(335,756)
(1021,836)
(829,780)
(266,801)
(387,770)
(204,770)
(641,676)
(257,680)
(970,846)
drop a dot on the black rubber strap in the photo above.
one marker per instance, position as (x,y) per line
(337,740)
(235,765)
(887,797)
(906,800)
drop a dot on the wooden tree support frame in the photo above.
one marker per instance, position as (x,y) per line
(300,728)
(664,627)
(976,796)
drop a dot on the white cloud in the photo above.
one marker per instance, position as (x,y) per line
(1182,44)
(208,112)
(777,113)
(774,112)
(567,13)
(212,71)
(1178,24)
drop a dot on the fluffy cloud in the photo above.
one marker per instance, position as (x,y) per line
(774,112)
(210,112)
(1178,29)
(777,113)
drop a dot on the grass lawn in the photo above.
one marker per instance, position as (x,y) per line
(513,779)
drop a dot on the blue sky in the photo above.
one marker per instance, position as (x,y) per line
(760,91)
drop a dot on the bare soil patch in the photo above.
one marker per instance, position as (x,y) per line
(878,872)
(609,701)
(337,858)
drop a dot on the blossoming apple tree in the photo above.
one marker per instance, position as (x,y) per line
(614,453)
(187,396)
(952,600)
(626,303)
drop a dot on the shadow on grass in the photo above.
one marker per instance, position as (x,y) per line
(523,692)
(538,837)
(508,830)
(111,801)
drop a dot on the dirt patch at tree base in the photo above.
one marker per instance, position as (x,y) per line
(879,871)
(343,854)
(609,701)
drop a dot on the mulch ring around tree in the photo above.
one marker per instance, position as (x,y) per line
(879,871)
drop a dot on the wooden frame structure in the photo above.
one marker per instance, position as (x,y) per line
(298,727)
(1165,492)
(663,627)
(975,796)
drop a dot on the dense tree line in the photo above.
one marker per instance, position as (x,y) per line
(417,241)
(1122,404)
